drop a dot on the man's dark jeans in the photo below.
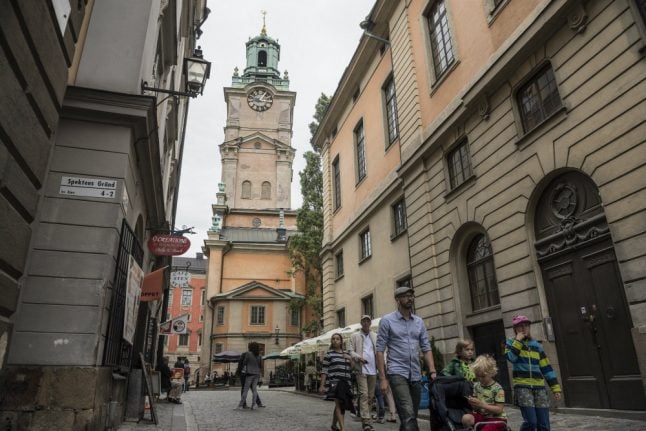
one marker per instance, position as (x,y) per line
(407,396)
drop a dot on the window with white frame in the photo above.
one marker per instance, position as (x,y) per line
(360,151)
(391,110)
(219,347)
(257,315)
(441,44)
(365,244)
(187,296)
(219,319)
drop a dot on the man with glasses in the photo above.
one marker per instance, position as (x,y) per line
(404,335)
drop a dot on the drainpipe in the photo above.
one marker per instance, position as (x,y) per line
(227,248)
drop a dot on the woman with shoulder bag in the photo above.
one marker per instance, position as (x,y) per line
(336,375)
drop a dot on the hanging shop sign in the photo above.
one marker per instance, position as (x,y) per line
(168,245)
(180,278)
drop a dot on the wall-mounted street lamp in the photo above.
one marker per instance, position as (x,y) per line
(277,333)
(367,26)
(196,72)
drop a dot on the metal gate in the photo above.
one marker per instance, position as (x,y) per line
(117,352)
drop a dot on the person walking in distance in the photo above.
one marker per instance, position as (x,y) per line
(530,370)
(187,374)
(363,351)
(404,335)
(252,366)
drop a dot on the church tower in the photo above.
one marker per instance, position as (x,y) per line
(253,291)
(256,153)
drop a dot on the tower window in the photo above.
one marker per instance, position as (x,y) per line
(246,190)
(265,192)
(262,58)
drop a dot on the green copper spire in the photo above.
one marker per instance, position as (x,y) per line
(263,54)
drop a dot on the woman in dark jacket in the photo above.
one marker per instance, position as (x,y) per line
(252,367)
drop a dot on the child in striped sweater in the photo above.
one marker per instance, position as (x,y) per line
(531,369)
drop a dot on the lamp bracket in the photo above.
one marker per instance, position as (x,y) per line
(145,87)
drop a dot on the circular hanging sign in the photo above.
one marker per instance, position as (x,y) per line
(180,278)
(168,245)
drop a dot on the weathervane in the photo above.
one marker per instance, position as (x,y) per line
(263,32)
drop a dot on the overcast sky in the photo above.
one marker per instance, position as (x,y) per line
(317,40)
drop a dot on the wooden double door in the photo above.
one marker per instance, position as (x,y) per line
(586,299)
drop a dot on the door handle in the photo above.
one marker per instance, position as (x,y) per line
(611,313)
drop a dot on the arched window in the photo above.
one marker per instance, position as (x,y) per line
(265,192)
(482,277)
(246,190)
(262,58)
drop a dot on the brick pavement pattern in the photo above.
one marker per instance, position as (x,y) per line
(210,410)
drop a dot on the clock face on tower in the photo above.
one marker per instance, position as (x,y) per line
(260,99)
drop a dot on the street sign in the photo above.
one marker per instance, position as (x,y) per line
(168,245)
(179,278)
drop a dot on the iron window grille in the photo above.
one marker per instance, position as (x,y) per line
(538,98)
(117,352)
(441,45)
(483,286)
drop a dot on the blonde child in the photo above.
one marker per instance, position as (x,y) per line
(489,400)
(459,366)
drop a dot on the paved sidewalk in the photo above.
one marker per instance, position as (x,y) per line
(287,410)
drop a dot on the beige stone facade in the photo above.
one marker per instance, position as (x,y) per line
(508,213)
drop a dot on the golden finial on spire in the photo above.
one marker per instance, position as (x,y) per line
(263,32)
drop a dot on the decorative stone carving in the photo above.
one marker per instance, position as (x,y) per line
(578,19)
(563,200)
(484,108)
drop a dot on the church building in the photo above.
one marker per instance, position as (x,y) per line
(253,292)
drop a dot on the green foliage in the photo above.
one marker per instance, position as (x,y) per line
(319,112)
(305,246)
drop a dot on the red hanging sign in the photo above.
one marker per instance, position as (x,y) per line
(168,245)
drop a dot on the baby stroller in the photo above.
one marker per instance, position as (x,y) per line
(448,403)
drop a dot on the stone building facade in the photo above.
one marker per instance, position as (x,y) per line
(97,165)
(253,292)
(522,165)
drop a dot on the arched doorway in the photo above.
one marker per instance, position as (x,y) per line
(586,298)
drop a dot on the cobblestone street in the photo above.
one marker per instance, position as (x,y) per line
(289,411)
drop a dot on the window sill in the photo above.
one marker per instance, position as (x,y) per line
(391,144)
(364,259)
(356,186)
(339,277)
(435,85)
(459,188)
(394,236)
(494,13)
(336,210)
(483,311)
(559,113)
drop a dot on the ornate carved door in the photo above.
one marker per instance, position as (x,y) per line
(586,298)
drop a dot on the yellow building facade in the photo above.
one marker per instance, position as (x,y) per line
(518,132)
